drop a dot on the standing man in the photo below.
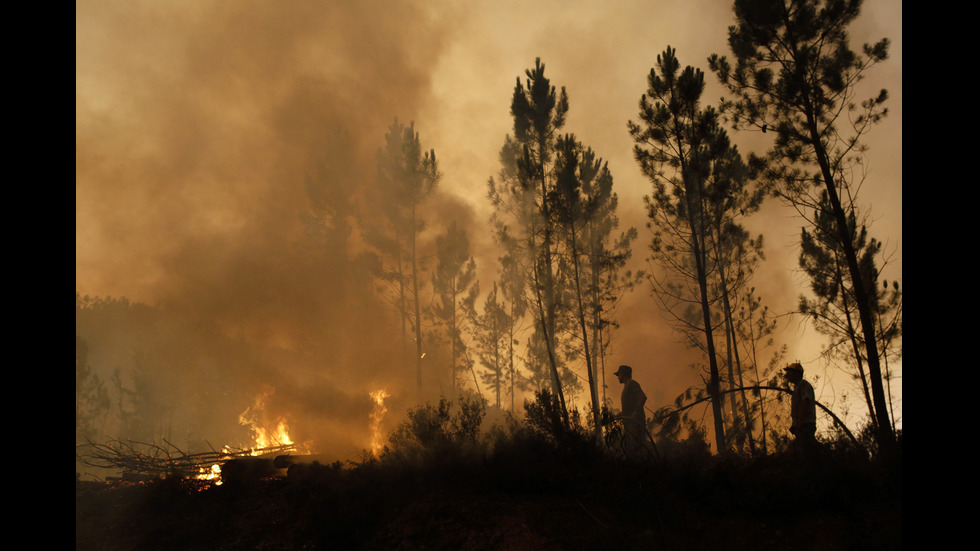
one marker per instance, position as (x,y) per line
(633,416)
(803,409)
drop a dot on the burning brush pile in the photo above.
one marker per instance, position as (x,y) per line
(272,453)
(140,461)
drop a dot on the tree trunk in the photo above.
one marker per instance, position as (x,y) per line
(852,333)
(714,383)
(886,436)
(593,390)
(547,305)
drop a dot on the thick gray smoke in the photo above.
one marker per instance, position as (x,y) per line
(213,140)
(204,132)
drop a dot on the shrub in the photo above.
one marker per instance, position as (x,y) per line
(438,431)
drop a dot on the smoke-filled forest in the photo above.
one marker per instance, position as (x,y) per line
(363,275)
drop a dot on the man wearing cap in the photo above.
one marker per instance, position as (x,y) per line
(802,408)
(633,416)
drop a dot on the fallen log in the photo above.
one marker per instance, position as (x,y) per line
(288,460)
(245,469)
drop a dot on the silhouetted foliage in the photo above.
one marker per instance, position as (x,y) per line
(525,490)
(407,175)
(544,418)
(522,219)
(438,432)
(492,332)
(832,307)
(456,288)
(583,189)
(681,148)
(755,327)
(795,73)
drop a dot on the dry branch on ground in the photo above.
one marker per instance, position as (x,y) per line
(150,460)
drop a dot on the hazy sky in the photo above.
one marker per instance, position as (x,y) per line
(198,121)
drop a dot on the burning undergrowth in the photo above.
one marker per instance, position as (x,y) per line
(157,387)
(454,475)
(272,453)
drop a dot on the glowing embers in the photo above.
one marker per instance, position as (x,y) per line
(377,415)
(213,473)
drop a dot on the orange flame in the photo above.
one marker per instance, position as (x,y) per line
(212,473)
(252,418)
(376,417)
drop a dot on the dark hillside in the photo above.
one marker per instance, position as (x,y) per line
(524,495)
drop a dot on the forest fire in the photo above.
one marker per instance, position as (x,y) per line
(478,206)
(377,415)
(264,438)
(147,460)
(210,473)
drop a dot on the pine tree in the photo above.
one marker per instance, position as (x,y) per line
(522,194)
(796,74)
(578,173)
(832,307)
(406,176)
(731,197)
(455,285)
(491,330)
(755,328)
(605,276)
(512,287)
(677,146)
